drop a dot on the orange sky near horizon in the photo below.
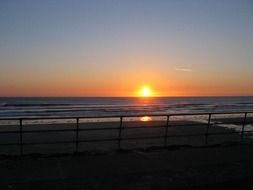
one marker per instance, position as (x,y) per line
(125,87)
(114,48)
(126,80)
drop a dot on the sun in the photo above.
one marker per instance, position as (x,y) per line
(145,92)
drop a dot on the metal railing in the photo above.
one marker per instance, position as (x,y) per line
(120,128)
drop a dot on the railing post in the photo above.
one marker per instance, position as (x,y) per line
(243,125)
(207,128)
(166,131)
(77,134)
(120,129)
(20,137)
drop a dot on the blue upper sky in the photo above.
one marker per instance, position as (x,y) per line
(180,47)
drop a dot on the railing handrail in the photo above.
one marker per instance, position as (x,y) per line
(124,115)
(20,131)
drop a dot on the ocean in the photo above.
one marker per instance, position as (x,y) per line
(104,106)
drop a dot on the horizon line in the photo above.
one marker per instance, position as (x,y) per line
(204,96)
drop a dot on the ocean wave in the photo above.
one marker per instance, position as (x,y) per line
(107,106)
(29,105)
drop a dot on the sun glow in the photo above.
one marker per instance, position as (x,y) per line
(145,92)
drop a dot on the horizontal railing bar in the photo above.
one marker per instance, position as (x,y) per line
(109,128)
(36,143)
(62,142)
(226,123)
(9,144)
(96,129)
(143,127)
(39,131)
(231,132)
(224,133)
(56,130)
(9,132)
(163,126)
(184,124)
(50,142)
(70,130)
(162,136)
(99,129)
(126,116)
(142,138)
(99,140)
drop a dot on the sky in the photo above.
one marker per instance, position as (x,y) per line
(114,47)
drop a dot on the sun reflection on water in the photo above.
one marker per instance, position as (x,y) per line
(145,118)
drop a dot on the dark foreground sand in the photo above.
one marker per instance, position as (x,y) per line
(226,161)
(219,167)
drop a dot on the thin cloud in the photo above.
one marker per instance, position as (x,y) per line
(183,69)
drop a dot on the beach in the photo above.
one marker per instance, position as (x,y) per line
(190,160)
(102,136)
(217,167)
